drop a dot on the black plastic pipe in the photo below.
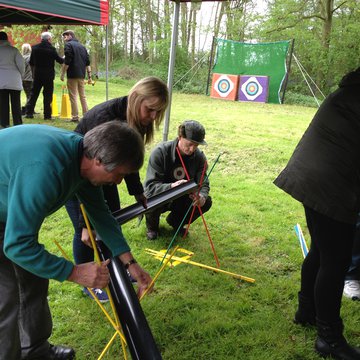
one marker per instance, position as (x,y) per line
(135,327)
(132,211)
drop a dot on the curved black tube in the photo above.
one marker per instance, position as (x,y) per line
(137,332)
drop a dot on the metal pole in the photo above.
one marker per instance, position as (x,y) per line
(171,67)
(107,62)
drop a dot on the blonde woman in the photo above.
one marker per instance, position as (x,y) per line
(27,78)
(143,109)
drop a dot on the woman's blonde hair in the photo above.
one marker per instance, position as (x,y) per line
(145,88)
(26,49)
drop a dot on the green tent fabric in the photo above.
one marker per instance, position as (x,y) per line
(54,12)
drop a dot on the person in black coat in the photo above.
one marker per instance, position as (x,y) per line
(143,109)
(323,174)
(42,62)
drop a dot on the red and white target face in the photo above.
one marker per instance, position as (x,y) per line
(224,86)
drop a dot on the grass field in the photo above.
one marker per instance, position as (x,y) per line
(195,313)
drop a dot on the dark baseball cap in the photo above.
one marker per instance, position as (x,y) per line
(192,130)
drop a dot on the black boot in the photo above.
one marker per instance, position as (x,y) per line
(330,342)
(305,314)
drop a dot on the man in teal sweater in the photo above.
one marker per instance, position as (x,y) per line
(41,167)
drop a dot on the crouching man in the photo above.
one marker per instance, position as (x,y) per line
(172,163)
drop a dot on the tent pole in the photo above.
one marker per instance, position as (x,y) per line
(210,64)
(171,67)
(107,62)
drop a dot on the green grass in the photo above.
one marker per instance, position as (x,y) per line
(195,313)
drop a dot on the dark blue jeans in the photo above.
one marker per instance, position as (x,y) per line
(25,319)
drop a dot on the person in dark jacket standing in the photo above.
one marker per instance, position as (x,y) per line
(42,62)
(143,109)
(170,165)
(77,64)
(323,174)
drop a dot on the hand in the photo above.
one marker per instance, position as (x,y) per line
(198,200)
(142,277)
(85,237)
(90,82)
(177,183)
(62,76)
(91,275)
(141,199)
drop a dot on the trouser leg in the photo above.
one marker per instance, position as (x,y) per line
(82,253)
(81,89)
(323,272)
(354,269)
(10,346)
(35,91)
(111,196)
(16,106)
(35,322)
(47,94)
(153,218)
(4,108)
(73,95)
(26,314)
(180,207)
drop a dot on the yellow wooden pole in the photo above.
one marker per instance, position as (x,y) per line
(245,278)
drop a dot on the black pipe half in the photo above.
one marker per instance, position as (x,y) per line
(124,215)
(135,327)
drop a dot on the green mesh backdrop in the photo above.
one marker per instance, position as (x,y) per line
(268,59)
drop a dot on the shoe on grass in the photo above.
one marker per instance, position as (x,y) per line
(151,234)
(352,289)
(100,294)
(60,352)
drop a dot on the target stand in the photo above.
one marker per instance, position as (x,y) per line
(224,86)
(253,88)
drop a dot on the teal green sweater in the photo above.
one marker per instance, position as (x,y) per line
(39,172)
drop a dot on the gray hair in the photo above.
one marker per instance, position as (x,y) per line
(25,49)
(115,143)
(46,35)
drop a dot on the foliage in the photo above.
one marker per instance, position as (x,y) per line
(195,313)
(140,33)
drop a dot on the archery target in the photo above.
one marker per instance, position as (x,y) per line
(224,86)
(253,88)
(179,173)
